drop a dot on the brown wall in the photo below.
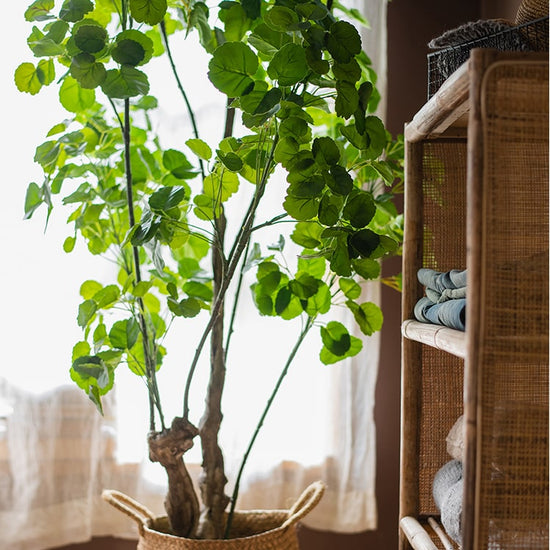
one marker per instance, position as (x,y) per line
(411,25)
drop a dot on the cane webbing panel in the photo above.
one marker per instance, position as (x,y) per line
(444,248)
(513,387)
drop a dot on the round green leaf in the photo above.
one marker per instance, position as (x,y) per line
(325,151)
(280,18)
(307,234)
(87,71)
(360,209)
(289,65)
(368,316)
(347,99)
(27,79)
(148,11)
(301,209)
(75,10)
(132,48)
(231,68)
(89,36)
(343,42)
(336,338)
(339,180)
(365,242)
(125,82)
(74,97)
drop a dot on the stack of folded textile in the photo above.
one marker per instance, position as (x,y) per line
(445,300)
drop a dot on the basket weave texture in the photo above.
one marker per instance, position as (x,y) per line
(529,10)
(251,530)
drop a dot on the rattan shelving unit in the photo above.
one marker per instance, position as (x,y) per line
(477,198)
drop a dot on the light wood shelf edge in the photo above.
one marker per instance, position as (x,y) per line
(436,336)
(417,536)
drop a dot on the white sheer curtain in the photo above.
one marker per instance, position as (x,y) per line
(57,453)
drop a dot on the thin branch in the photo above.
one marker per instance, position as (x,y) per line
(240,244)
(284,372)
(181,89)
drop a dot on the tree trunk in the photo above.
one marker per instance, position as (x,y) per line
(212,482)
(181,504)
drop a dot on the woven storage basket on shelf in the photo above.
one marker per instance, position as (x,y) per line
(251,530)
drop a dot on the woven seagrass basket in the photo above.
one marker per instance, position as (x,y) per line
(529,10)
(251,530)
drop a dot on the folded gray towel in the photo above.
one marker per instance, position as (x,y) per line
(447,493)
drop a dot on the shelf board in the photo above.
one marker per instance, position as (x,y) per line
(436,336)
(425,534)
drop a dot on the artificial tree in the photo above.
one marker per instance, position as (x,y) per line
(303,89)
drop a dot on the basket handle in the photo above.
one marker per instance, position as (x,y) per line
(127,505)
(305,503)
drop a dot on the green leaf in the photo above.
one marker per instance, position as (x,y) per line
(69,244)
(124,334)
(328,358)
(188,307)
(80,349)
(343,41)
(329,209)
(198,290)
(339,180)
(267,40)
(289,65)
(74,97)
(86,312)
(347,99)
(148,11)
(132,48)
(286,151)
(221,188)
(141,288)
(107,296)
(350,72)
(281,19)
(230,160)
(33,199)
(200,148)
(360,209)
(304,286)
(89,288)
(312,11)
(368,316)
(301,209)
(364,242)
(165,198)
(74,10)
(307,234)
(325,152)
(235,19)
(125,82)
(40,10)
(336,338)
(94,376)
(350,288)
(177,164)
(366,268)
(319,303)
(309,188)
(231,68)
(87,71)
(89,36)
(28,78)
(376,131)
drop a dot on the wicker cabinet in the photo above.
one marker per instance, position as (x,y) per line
(477,198)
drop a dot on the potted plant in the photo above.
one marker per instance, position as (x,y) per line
(295,75)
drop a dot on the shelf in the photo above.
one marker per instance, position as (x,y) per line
(436,336)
